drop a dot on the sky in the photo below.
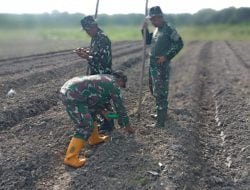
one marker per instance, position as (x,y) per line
(115,6)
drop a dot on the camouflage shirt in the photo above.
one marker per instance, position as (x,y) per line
(95,91)
(165,41)
(100,50)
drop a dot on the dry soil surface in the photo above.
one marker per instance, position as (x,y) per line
(205,145)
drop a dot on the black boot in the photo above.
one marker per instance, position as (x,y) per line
(161,118)
(107,126)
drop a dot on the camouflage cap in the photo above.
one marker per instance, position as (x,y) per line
(155,11)
(87,22)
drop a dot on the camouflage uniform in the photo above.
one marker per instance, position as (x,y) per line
(165,41)
(85,95)
(100,49)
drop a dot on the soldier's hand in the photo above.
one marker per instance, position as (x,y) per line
(129,129)
(83,55)
(81,49)
(104,113)
(86,49)
(161,59)
(82,52)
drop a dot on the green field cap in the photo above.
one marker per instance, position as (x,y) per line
(154,11)
(87,22)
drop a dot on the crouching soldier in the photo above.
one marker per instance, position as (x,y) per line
(83,96)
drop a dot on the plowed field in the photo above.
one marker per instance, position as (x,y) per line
(205,145)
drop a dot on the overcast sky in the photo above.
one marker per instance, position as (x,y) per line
(115,6)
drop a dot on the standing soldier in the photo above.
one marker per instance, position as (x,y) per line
(84,97)
(98,55)
(165,44)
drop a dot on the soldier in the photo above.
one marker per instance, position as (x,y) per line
(98,55)
(84,97)
(165,43)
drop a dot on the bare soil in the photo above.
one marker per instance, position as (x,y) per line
(205,145)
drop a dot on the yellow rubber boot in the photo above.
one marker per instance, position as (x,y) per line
(72,154)
(97,138)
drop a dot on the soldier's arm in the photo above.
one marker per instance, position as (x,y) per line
(148,36)
(176,44)
(94,65)
(116,97)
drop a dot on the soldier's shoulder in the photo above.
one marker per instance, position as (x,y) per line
(169,27)
(103,37)
(172,32)
(77,79)
(106,78)
(74,82)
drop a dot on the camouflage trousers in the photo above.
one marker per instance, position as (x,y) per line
(80,114)
(158,85)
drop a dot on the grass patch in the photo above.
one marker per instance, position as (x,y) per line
(118,33)
(43,34)
(216,32)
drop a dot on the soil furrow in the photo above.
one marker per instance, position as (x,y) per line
(211,174)
(205,144)
(118,46)
(54,71)
(37,63)
(48,124)
(241,61)
(13,114)
(233,115)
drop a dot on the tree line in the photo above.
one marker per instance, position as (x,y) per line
(57,19)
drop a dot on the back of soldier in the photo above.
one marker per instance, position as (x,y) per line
(89,90)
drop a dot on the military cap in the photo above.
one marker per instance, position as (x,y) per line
(87,22)
(155,11)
